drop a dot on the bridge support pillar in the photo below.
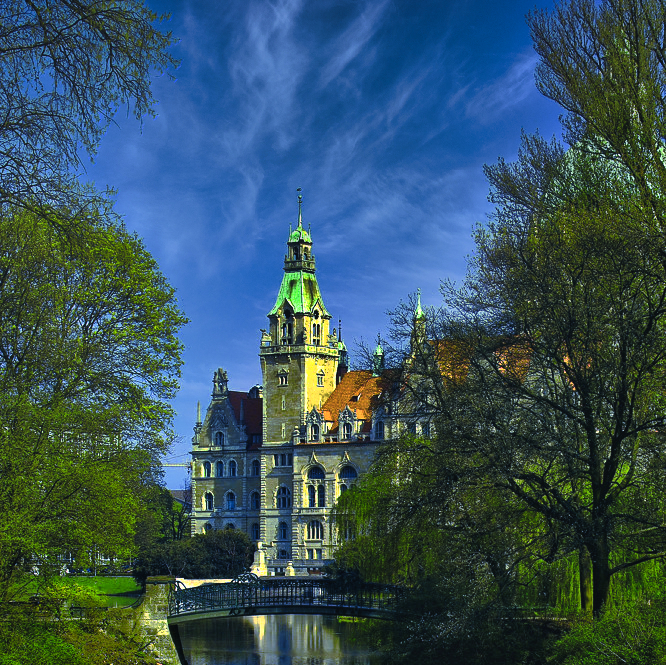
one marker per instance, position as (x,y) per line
(152,618)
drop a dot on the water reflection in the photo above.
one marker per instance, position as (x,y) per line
(283,639)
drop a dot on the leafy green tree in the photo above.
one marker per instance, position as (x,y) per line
(67,67)
(88,359)
(223,553)
(543,374)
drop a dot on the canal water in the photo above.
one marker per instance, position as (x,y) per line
(280,639)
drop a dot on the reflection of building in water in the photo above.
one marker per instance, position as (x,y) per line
(283,639)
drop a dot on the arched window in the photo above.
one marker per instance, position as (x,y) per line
(316,334)
(321,496)
(312,500)
(315,530)
(256,467)
(348,473)
(254,501)
(232,468)
(343,488)
(283,531)
(347,431)
(207,527)
(230,526)
(283,554)
(219,438)
(379,430)
(220,469)
(231,501)
(283,498)
(316,473)
(208,501)
(206,469)
(314,433)
(254,531)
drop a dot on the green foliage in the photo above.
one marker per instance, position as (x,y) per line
(89,359)
(221,553)
(161,519)
(633,633)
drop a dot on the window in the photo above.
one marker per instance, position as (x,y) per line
(347,430)
(282,379)
(256,467)
(425,430)
(283,459)
(315,530)
(287,330)
(320,380)
(283,554)
(283,498)
(207,527)
(312,499)
(220,469)
(379,430)
(316,473)
(254,531)
(314,433)
(206,469)
(232,469)
(321,496)
(343,488)
(316,334)
(254,501)
(283,531)
(208,501)
(230,526)
(411,428)
(231,501)
(348,473)
(284,403)
(219,438)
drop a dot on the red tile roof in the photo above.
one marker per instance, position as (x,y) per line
(360,391)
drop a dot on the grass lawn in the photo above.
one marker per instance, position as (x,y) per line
(105,585)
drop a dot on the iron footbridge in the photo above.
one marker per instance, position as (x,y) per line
(251,595)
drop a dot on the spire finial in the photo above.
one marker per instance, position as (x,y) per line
(300,206)
(418,312)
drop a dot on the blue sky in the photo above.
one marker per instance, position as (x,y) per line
(383,111)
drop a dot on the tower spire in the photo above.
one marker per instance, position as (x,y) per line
(300,208)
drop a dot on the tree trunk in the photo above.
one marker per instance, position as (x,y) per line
(585,578)
(600,575)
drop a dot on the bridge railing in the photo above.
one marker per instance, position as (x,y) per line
(280,592)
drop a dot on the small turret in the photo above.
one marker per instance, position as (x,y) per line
(378,359)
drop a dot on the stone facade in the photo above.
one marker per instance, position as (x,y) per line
(298,441)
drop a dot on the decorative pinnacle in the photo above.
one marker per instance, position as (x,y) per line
(418,312)
(300,204)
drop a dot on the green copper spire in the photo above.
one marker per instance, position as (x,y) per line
(418,312)
(299,286)
(300,233)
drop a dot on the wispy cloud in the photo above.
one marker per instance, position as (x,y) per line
(347,46)
(493,99)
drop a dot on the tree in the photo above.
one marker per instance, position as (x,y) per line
(223,553)
(545,372)
(67,68)
(88,359)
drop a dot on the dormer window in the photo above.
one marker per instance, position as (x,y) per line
(219,438)
(347,430)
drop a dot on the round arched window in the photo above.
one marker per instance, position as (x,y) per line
(316,473)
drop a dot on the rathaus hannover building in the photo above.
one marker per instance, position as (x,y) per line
(273,461)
